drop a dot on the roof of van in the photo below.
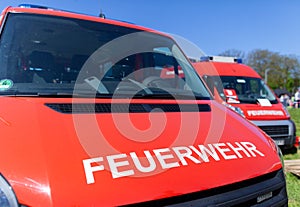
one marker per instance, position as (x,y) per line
(56,12)
(225,69)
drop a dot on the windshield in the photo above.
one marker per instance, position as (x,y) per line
(49,55)
(235,89)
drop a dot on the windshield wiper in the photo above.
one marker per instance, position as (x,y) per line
(170,96)
(16,92)
(93,94)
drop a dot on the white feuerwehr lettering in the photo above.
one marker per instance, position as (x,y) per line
(163,155)
(114,164)
(89,169)
(222,148)
(166,158)
(238,148)
(185,152)
(203,151)
(265,113)
(138,165)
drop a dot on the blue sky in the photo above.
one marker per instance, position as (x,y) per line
(212,25)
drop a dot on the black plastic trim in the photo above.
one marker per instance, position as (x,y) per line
(243,193)
(77,108)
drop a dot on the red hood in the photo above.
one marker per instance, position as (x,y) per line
(46,150)
(257,112)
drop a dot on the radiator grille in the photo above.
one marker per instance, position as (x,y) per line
(276,131)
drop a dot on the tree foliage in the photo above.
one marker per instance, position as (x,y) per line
(233,53)
(282,71)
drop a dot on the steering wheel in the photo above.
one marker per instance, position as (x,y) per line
(150,81)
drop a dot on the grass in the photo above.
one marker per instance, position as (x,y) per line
(295,114)
(292,181)
(293,190)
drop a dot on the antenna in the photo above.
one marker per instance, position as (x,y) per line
(101,15)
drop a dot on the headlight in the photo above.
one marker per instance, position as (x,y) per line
(278,150)
(280,155)
(236,109)
(7,195)
(286,111)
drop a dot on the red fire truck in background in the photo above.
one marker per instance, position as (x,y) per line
(242,89)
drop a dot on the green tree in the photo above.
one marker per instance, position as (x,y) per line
(233,53)
(262,61)
(289,67)
(282,71)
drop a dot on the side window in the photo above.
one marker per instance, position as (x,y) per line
(241,84)
(167,65)
(254,86)
(215,85)
(264,92)
(156,69)
(123,68)
(170,72)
